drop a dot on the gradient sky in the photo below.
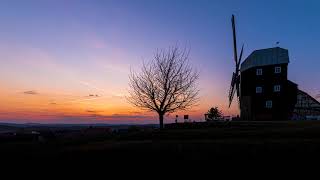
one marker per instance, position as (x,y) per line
(68,61)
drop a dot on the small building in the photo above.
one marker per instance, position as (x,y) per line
(306,108)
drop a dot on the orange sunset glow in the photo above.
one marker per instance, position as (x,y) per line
(39,87)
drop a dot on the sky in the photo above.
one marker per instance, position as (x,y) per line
(68,61)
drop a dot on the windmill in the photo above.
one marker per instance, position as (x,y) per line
(235,81)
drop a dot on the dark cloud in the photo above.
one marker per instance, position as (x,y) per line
(94,95)
(92,111)
(30,92)
(53,103)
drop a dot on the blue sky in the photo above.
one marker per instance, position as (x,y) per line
(58,48)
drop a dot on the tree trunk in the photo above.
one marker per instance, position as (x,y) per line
(161,120)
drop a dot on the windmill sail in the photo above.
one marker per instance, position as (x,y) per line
(235,53)
(235,81)
(238,73)
(232,88)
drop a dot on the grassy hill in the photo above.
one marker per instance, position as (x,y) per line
(233,142)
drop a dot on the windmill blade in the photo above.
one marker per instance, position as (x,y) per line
(231,94)
(238,86)
(238,74)
(235,82)
(232,88)
(238,63)
(234,39)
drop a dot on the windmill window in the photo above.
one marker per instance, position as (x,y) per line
(269,104)
(259,72)
(277,70)
(276,88)
(258,89)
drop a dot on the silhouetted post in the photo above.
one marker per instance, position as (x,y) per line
(186,118)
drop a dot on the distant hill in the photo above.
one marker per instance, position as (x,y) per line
(8,128)
(12,127)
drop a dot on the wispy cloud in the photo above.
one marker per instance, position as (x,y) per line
(90,97)
(30,92)
(118,96)
(92,86)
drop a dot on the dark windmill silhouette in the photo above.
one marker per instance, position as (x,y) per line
(262,88)
(235,81)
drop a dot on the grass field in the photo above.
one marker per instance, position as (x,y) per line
(234,142)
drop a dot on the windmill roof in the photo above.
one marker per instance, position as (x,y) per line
(265,57)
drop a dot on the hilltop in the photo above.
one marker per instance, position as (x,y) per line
(218,142)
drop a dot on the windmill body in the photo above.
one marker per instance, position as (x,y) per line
(262,89)
(266,92)
(261,84)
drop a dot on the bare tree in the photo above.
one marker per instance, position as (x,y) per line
(165,84)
